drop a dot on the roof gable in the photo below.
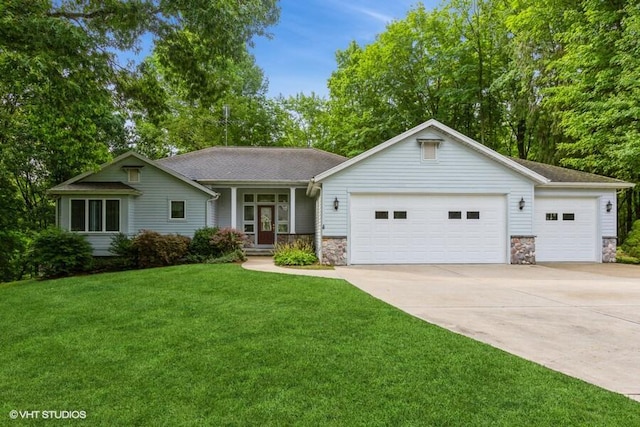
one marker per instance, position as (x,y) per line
(253,164)
(76,183)
(436,125)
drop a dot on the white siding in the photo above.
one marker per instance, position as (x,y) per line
(400,169)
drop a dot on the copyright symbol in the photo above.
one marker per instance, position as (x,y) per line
(13,414)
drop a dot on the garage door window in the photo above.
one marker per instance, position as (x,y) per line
(382,215)
(399,214)
(568,217)
(551,217)
(473,215)
(455,215)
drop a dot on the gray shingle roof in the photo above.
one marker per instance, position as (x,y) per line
(267,164)
(560,174)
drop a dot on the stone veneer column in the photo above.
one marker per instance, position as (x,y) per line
(609,245)
(523,249)
(334,250)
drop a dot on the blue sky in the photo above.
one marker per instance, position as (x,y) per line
(301,55)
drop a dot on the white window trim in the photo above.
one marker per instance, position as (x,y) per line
(171,218)
(104,215)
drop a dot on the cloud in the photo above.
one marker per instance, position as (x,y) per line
(380,17)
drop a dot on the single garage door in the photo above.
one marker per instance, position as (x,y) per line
(566,229)
(427,229)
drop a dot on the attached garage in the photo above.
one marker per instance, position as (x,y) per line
(418,229)
(567,229)
(432,195)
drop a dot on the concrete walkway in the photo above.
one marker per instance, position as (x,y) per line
(579,319)
(265,263)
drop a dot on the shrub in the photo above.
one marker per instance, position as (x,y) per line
(201,246)
(153,249)
(235,256)
(58,253)
(297,253)
(631,245)
(228,240)
(122,247)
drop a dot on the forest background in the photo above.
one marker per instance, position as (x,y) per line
(546,80)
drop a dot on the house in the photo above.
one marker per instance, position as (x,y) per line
(429,195)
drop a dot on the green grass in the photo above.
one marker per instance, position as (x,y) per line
(218,345)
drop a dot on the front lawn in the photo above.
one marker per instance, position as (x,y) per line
(219,345)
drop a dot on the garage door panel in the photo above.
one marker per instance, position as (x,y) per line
(427,235)
(561,239)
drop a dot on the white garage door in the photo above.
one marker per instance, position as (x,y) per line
(566,229)
(420,229)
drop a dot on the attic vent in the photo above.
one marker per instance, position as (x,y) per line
(429,148)
(133,173)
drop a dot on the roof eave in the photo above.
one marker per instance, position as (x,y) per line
(61,192)
(249,182)
(590,185)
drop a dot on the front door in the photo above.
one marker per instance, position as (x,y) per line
(266,225)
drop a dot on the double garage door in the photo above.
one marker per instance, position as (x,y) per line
(566,229)
(427,229)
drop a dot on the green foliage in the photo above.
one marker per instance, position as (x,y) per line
(299,252)
(59,253)
(235,256)
(122,247)
(153,249)
(201,245)
(631,245)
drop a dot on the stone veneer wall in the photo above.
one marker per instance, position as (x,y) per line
(290,238)
(334,250)
(609,249)
(523,250)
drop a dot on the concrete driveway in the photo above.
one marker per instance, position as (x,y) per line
(579,319)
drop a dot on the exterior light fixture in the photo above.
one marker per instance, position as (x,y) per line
(336,204)
(521,203)
(609,206)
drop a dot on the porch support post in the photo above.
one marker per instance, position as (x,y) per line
(234,207)
(292,210)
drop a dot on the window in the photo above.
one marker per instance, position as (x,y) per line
(283,198)
(551,217)
(399,214)
(178,209)
(249,228)
(95,215)
(473,215)
(248,198)
(133,175)
(249,213)
(568,217)
(266,198)
(455,215)
(382,215)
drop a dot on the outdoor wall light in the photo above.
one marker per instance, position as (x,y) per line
(336,204)
(521,203)
(609,206)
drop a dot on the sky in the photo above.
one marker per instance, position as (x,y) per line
(300,56)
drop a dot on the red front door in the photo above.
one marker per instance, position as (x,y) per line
(266,225)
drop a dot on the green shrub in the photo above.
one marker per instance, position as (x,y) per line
(227,240)
(153,249)
(623,258)
(235,256)
(631,245)
(122,247)
(58,253)
(201,246)
(299,252)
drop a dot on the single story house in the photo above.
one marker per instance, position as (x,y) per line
(429,195)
